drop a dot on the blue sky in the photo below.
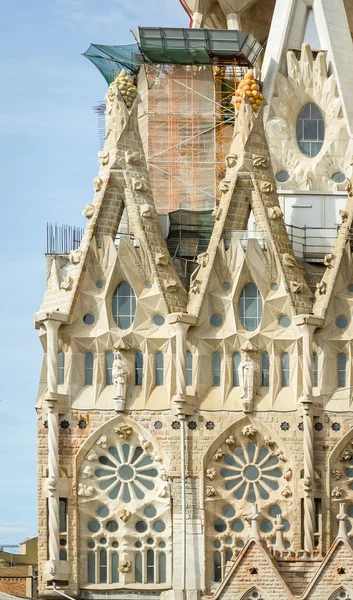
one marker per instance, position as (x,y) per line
(48,146)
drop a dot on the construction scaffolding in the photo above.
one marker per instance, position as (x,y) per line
(186,80)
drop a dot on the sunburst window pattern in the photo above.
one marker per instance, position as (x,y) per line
(126,473)
(251,473)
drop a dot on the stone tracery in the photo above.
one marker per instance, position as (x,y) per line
(125,531)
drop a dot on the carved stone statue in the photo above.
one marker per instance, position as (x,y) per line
(246,381)
(119,374)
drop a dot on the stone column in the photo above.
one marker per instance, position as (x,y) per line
(307,325)
(52,322)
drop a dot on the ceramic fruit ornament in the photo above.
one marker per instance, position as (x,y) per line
(249,87)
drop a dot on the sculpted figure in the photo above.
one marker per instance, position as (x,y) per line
(246,381)
(119,374)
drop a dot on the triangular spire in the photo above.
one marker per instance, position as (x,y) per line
(250,183)
(123,182)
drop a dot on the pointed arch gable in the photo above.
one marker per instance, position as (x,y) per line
(115,422)
(341,593)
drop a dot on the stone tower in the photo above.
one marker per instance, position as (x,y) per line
(195,426)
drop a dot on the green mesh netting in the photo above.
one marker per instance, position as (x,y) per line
(111,60)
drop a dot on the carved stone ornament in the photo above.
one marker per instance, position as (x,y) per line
(337,492)
(260,161)
(274,212)
(287,492)
(224,186)
(87,472)
(231,440)
(102,441)
(124,566)
(328,258)
(146,211)
(349,188)
(123,431)
(288,473)
(88,211)
(216,213)
(133,158)
(203,259)
(296,287)
(164,492)
(307,484)
(218,454)
(92,456)
(66,283)
(97,184)
(85,491)
(321,288)
(103,156)
(268,441)
(336,474)
(50,569)
(289,260)
(138,185)
(124,515)
(210,491)
(344,216)
(280,455)
(75,257)
(195,287)
(211,473)
(144,443)
(171,285)
(249,431)
(345,455)
(162,259)
(266,187)
(231,160)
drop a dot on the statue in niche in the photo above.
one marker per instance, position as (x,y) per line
(246,381)
(119,374)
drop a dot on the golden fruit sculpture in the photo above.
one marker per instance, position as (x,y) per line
(249,87)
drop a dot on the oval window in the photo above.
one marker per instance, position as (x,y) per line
(250,307)
(310,130)
(124,305)
(339,177)
(282,176)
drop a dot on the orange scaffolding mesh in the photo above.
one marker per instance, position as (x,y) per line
(187,121)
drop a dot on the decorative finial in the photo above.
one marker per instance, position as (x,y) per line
(279,527)
(253,518)
(342,522)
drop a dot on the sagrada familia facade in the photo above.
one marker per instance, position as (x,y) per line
(195,421)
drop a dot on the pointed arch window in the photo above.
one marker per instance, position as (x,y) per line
(103,566)
(162,567)
(216,369)
(341,370)
(253,595)
(124,305)
(310,130)
(91,567)
(235,365)
(315,369)
(265,369)
(285,369)
(109,359)
(188,368)
(89,361)
(159,369)
(250,307)
(138,368)
(115,567)
(61,367)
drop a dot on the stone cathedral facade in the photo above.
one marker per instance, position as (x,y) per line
(196,439)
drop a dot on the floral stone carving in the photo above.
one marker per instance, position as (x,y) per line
(123,431)
(88,211)
(124,515)
(211,473)
(97,184)
(249,431)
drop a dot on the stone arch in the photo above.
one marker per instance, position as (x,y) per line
(254,593)
(123,496)
(341,593)
(339,482)
(246,463)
